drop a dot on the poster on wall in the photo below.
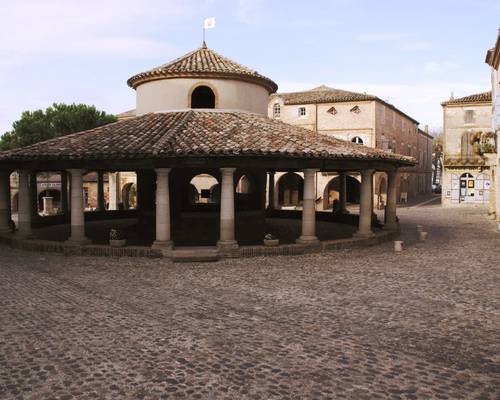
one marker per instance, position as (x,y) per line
(487,185)
(470,184)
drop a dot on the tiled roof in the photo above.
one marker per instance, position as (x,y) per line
(326,94)
(203,62)
(322,94)
(126,114)
(484,97)
(197,133)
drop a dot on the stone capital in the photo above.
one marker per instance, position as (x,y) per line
(76,172)
(227,171)
(162,171)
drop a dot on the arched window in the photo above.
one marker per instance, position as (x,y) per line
(204,189)
(276,111)
(357,140)
(203,97)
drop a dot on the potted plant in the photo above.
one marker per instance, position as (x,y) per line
(117,238)
(270,240)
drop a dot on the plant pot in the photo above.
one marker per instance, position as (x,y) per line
(271,242)
(117,243)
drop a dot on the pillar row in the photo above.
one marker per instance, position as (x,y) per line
(163,240)
(366,204)
(4,202)
(101,204)
(390,209)
(308,209)
(342,207)
(270,190)
(24,207)
(227,240)
(77,210)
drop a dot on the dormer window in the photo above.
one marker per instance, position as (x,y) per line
(276,111)
(357,140)
(302,112)
(203,97)
(356,110)
(332,110)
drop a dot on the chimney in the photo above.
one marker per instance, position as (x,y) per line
(451,96)
(426,129)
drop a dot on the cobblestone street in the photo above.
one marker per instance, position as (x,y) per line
(358,324)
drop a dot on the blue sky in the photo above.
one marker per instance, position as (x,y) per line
(411,53)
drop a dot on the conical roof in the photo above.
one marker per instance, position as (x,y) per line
(186,134)
(203,63)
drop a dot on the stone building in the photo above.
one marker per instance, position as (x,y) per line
(493,59)
(201,122)
(468,152)
(362,119)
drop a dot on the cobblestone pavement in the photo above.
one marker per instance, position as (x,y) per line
(360,324)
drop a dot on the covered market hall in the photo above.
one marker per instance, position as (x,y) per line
(199,121)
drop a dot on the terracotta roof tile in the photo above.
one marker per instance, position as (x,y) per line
(197,133)
(484,97)
(322,94)
(202,62)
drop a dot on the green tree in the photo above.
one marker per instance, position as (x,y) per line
(57,120)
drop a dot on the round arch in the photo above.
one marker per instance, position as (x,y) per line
(129,195)
(332,190)
(54,193)
(381,192)
(290,190)
(203,189)
(203,95)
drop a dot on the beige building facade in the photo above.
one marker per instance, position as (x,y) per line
(468,152)
(362,119)
(493,59)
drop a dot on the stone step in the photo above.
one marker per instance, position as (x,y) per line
(195,254)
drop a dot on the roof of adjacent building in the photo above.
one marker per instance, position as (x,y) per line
(126,114)
(484,97)
(493,54)
(326,94)
(203,62)
(191,133)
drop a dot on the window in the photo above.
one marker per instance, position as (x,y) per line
(357,140)
(332,110)
(302,112)
(467,149)
(469,116)
(356,110)
(394,119)
(382,115)
(276,111)
(203,97)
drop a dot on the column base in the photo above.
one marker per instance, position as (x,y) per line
(308,240)
(363,235)
(228,248)
(164,246)
(78,241)
(394,226)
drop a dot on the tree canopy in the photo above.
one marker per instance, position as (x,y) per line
(57,120)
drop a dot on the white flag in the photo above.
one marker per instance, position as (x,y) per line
(209,23)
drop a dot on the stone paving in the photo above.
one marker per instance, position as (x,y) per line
(358,324)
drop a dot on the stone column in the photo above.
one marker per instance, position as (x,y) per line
(77,212)
(227,241)
(114,190)
(342,194)
(48,205)
(163,240)
(101,204)
(366,204)
(24,209)
(392,198)
(4,202)
(309,209)
(270,201)
(33,195)
(64,192)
